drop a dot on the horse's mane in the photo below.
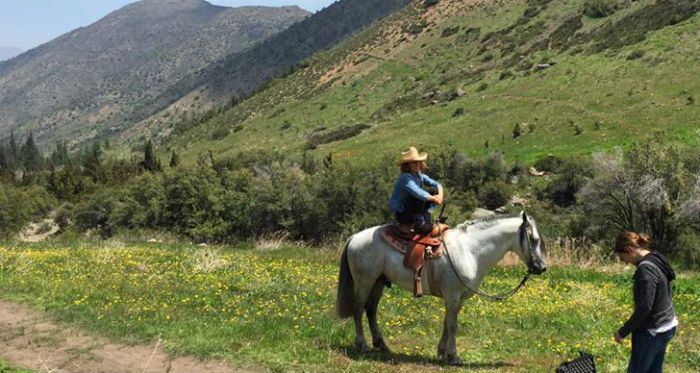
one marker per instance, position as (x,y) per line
(486,222)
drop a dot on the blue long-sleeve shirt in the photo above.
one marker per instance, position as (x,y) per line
(409,185)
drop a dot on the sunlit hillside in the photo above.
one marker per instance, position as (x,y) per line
(527,77)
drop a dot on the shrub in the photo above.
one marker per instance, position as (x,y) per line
(549,163)
(334,135)
(635,54)
(599,8)
(517,130)
(494,195)
(449,31)
(18,205)
(572,175)
(644,190)
(220,133)
(505,75)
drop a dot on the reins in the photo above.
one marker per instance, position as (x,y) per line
(497,297)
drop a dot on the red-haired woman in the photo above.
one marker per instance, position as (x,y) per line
(653,322)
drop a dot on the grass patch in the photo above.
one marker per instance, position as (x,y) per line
(6,367)
(275,308)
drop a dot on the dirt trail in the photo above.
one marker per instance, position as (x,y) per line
(29,339)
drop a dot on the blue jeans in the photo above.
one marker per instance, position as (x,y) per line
(648,352)
(417,213)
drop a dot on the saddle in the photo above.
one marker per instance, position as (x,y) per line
(417,248)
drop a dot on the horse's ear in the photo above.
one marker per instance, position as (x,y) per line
(525,218)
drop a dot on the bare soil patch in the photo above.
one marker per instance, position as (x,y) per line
(30,339)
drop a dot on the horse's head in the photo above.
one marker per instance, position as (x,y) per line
(531,246)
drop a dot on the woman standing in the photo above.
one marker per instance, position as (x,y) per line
(409,201)
(653,322)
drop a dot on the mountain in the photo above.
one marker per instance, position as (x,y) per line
(239,74)
(98,80)
(525,77)
(8,52)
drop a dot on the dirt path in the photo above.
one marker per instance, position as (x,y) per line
(29,339)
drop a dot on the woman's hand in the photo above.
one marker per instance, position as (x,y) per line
(618,339)
(436,199)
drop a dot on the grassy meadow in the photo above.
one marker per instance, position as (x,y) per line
(273,309)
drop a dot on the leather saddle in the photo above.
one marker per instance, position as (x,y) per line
(417,248)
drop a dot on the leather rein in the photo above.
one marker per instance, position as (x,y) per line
(497,297)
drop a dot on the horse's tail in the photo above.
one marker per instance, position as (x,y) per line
(345,302)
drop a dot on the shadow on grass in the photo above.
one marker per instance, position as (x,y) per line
(396,358)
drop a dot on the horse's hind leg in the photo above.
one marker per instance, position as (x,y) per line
(360,342)
(362,294)
(371,309)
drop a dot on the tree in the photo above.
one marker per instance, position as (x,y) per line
(174,159)
(32,160)
(150,161)
(92,163)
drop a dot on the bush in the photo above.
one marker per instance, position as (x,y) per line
(449,31)
(644,190)
(19,205)
(494,195)
(335,135)
(549,163)
(599,8)
(94,213)
(635,54)
(571,176)
(220,133)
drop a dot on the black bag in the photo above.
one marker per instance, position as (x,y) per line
(583,364)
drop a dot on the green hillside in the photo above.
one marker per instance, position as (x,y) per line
(466,74)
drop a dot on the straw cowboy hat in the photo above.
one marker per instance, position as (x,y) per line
(412,155)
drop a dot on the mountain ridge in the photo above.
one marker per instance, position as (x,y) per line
(121,61)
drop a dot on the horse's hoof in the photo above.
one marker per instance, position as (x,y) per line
(362,347)
(455,361)
(380,345)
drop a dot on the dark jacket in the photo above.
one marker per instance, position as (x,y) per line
(653,306)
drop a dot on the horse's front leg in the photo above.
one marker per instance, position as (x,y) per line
(442,346)
(447,349)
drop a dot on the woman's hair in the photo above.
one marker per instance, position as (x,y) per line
(406,168)
(628,240)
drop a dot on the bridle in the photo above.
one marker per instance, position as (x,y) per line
(524,230)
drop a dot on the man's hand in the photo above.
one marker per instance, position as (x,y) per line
(618,339)
(436,199)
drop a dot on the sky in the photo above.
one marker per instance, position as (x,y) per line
(29,23)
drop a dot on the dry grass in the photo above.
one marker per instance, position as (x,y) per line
(205,259)
(576,252)
(271,241)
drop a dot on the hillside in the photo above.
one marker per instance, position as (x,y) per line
(525,77)
(97,80)
(239,74)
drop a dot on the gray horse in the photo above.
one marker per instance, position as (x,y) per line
(474,248)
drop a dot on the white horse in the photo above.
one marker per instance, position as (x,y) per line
(368,262)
